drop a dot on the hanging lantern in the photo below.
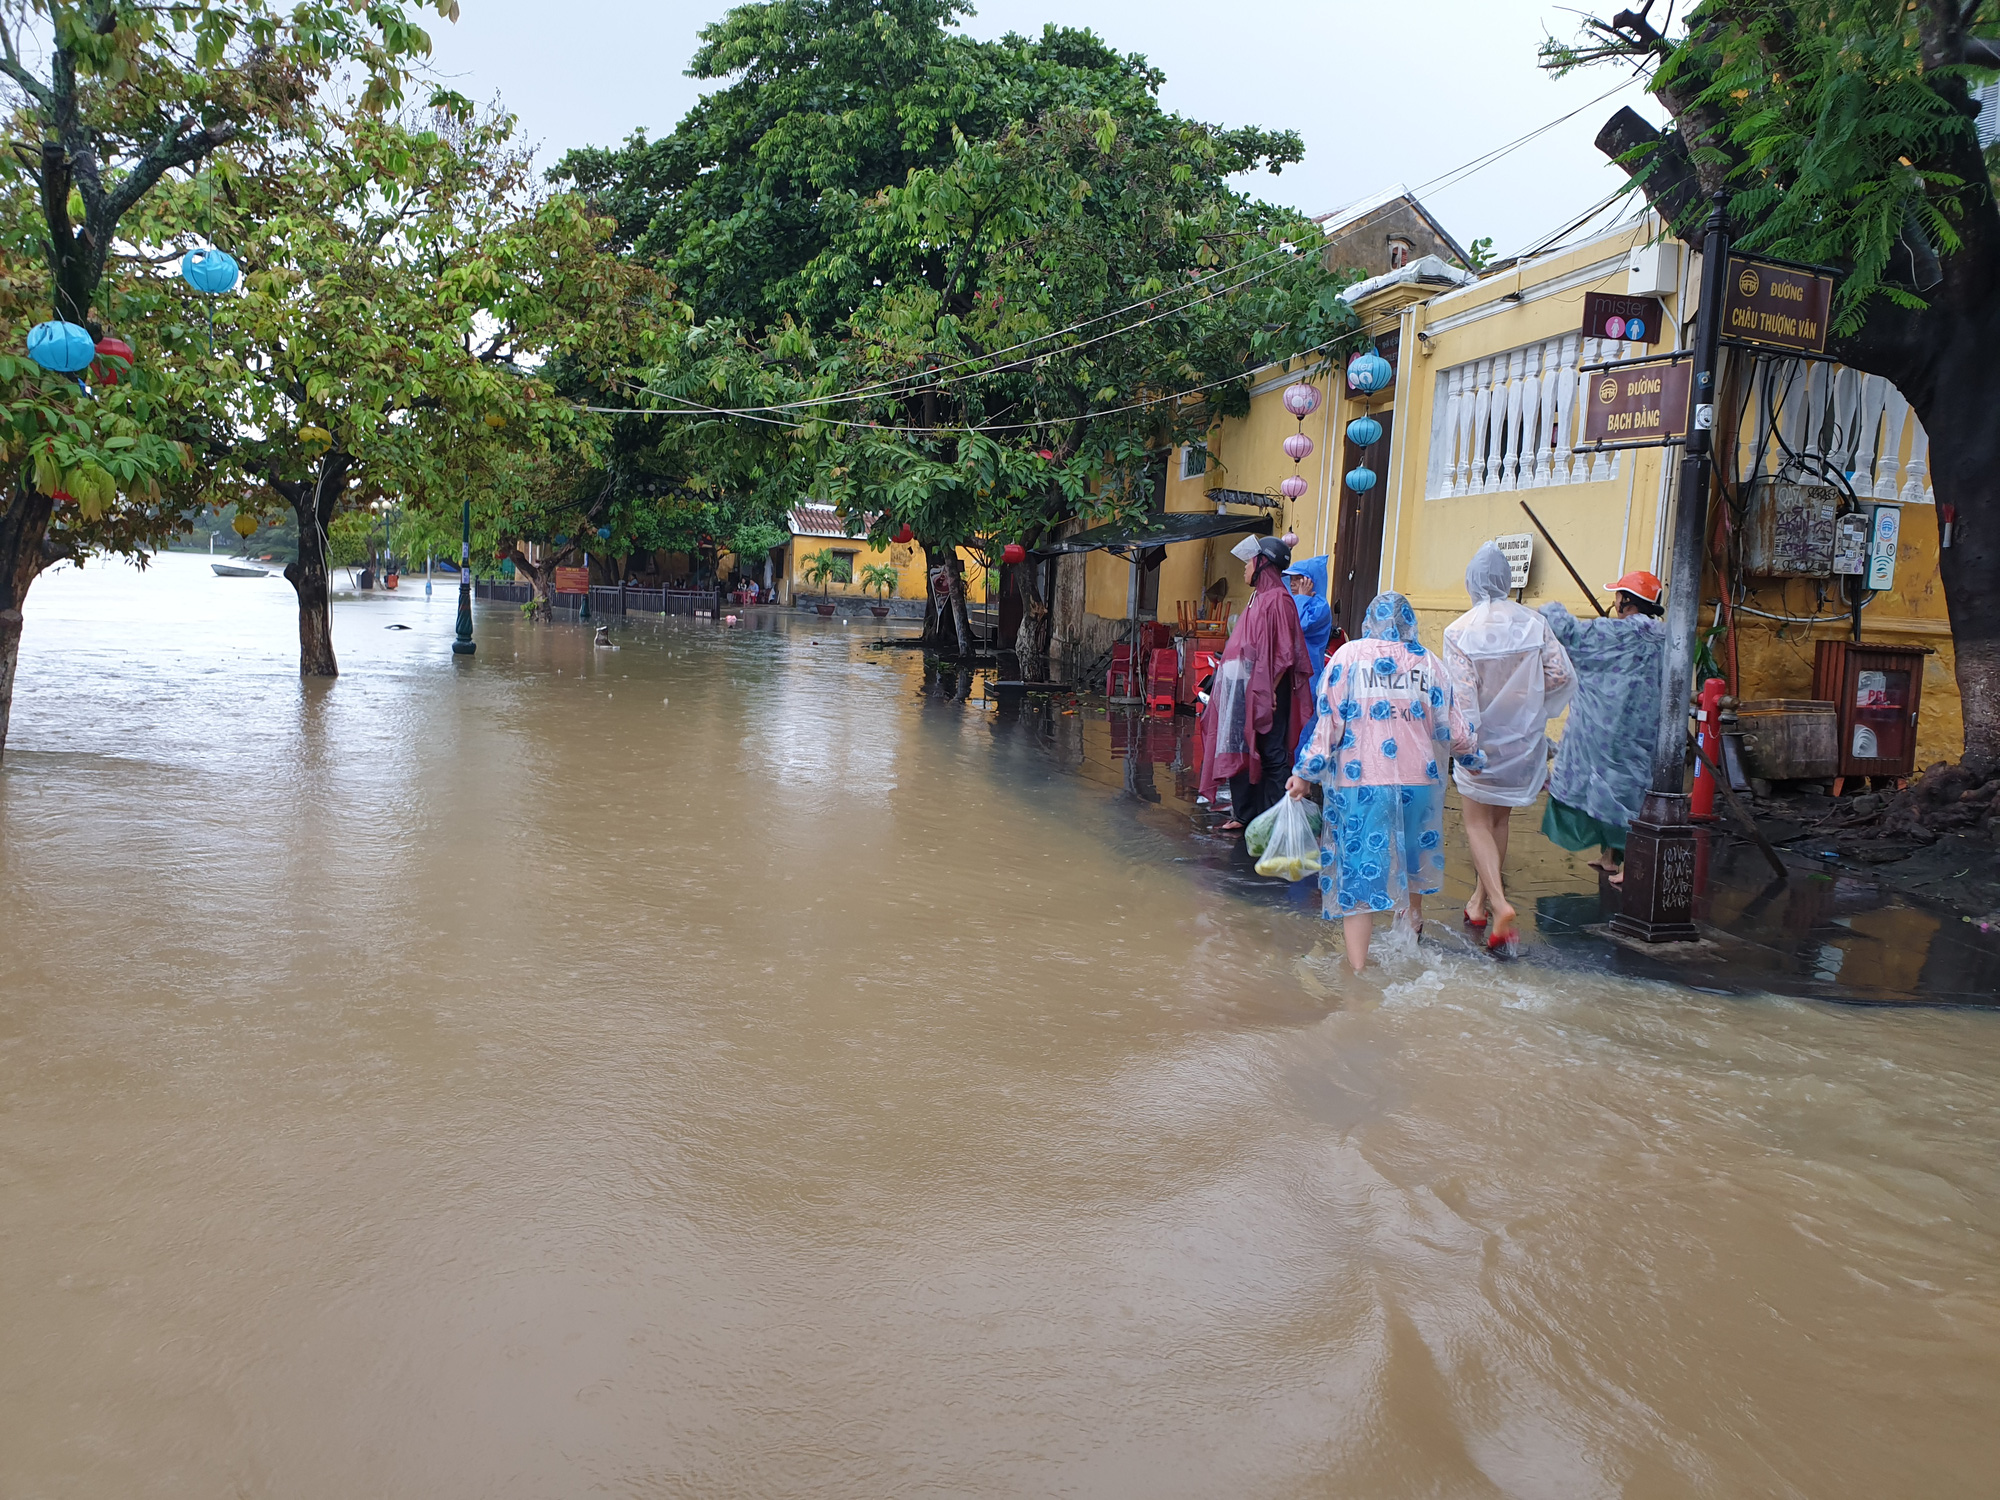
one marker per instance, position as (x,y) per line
(63,497)
(62,347)
(903,536)
(1293,487)
(210,271)
(1301,400)
(1368,373)
(1361,480)
(1298,446)
(1013,553)
(114,358)
(604,532)
(316,437)
(1364,432)
(243,525)
(495,420)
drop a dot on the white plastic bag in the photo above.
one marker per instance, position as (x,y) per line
(1293,852)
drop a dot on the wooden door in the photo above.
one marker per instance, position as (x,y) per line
(1357,547)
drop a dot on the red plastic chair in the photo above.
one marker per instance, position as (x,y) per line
(1163,676)
(1118,682)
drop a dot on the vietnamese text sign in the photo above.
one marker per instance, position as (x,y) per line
(1637,319)
(1519,550)
(1775,305)
(1636,404)
(572,580)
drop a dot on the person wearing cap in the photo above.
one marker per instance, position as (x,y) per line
(1262,690)
(1605,762)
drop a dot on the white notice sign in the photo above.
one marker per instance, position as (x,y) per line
(1520,550)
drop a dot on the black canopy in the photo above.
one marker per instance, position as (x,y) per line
(1158,530)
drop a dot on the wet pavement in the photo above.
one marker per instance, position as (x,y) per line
(734,1065)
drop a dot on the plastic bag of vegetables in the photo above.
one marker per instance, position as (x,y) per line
(1258,835)
(1292,851)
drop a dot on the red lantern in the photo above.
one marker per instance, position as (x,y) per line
(114,357)
(903,537)
(1013,553)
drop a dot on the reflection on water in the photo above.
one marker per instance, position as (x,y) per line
(735,1064)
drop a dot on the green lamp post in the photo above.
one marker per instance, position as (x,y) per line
(464,646)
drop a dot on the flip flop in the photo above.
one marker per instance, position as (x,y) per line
(1475,923)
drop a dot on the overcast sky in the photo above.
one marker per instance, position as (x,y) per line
(1382,93)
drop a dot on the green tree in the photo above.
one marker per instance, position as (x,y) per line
(953,284)
(116,95)
(400,284)
(1842,134)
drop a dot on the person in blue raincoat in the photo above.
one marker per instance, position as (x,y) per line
(1307,581)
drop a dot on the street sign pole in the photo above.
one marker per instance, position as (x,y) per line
(1658,897)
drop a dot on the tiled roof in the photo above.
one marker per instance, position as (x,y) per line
(821,520)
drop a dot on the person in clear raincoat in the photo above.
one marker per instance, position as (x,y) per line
(1510,676)
(1387,720)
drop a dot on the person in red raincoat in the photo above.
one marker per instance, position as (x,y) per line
(1262,692)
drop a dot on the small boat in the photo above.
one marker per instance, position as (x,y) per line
(231,570)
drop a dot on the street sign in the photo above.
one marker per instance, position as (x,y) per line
(1776,306)
(1636,404)
(572,580)
(1519,550)
(1634,319)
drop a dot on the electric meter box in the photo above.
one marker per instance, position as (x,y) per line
(1788,529)
(1653,270)
(1852,533)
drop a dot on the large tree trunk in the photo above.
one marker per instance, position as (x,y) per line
(1031,644)
(961,618)
(314,505)
(541,603)
(22,558)
(1958,413)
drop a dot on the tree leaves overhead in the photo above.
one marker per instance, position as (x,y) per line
(952,282)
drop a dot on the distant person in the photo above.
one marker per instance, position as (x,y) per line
(1262,689)
(1509,677)
(1387,722)
(1307,581)
(1605,762)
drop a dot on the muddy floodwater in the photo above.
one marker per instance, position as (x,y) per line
(717,1067)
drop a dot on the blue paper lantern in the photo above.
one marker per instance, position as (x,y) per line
(1361,480)
(209,271)
(605,532)
(1369,373)
(1364,432)
(63,347)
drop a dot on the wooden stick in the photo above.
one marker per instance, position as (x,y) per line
(1742,813)
(1587,592)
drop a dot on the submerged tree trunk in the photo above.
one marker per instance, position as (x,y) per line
(1958,413)
(23,555)
(1031,642)
(314,504)
(540,576)
(961,619)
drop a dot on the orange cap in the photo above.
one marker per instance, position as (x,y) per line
(1642,585)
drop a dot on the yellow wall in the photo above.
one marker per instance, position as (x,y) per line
(907,558)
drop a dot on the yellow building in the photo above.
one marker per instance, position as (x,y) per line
(1484,411)
(819,528)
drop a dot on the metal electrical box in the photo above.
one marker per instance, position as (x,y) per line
(1788,531)
(1653,270)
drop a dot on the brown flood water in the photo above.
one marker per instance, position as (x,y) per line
(712,1068)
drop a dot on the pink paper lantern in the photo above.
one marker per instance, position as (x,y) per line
(1293,487)
(1298,446)
(1301,400)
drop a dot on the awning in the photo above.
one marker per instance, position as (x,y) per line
(1158,530)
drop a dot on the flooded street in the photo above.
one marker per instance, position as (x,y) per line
(718,1067)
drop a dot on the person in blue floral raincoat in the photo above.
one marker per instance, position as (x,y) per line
(1388,723)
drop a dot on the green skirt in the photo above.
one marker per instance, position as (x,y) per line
(1572,828)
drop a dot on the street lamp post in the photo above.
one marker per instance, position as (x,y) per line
(464,646)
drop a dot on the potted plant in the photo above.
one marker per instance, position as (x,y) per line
(879,578)
(822,568)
